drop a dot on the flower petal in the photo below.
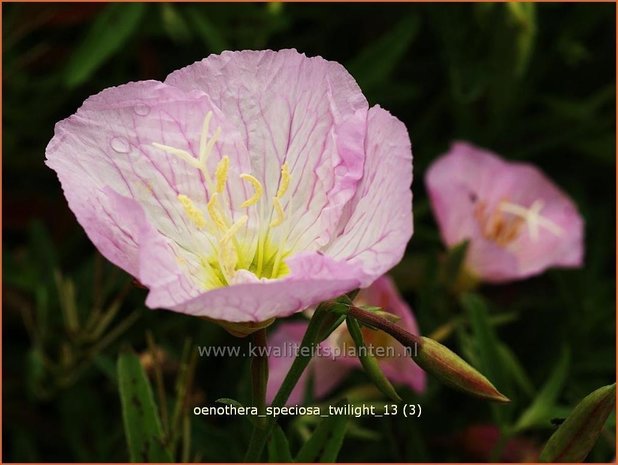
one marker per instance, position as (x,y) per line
(306,112)
(377,222)
(313,278)
(108,144)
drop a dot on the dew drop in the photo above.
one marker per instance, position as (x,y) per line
(141,109)
(120,145)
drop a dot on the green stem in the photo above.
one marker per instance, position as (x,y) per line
(305,352)
(371,319)
(259,371)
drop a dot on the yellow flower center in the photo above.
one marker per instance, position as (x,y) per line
(233,246)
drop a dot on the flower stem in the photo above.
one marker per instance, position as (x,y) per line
(404,337)
(261,432)
(259,371)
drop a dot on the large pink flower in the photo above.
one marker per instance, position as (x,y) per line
(334,362)
(247,186)
(517,221)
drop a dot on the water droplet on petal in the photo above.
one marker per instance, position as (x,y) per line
(120,145)
(141,109)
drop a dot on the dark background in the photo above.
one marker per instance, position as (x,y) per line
(531,82)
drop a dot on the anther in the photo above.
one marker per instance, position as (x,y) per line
(257,187)
(193,213)
(213,211)
(221,173)
(280,215)
(285,180)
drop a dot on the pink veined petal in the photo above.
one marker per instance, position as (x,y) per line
(313,278)
(490,261)
(467,175)
(327,373)
(548,250)
(306,112)
(157,266)
(455,182)
(377,223)
(108,144)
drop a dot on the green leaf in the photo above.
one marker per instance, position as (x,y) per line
(539,413)
(575,438)
(279,447)
(110,31)
(227,401)
(487,344)
(523,15)
(376,62)
(327,439)
(515,369)
(370,363)
(141,420)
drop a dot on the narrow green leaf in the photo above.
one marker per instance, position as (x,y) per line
(539,413)
(575,438)
(515,369)
(378,60)
(523,15)
(141,420)
(369,362)
(487,344)
(334,443)
(325,442)
(109,33)
(227,401)
(486,338)
(279,447)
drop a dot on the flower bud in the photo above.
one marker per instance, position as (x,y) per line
(574,439)
(435,359)
(451,369)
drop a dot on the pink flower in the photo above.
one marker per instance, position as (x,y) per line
(247,186)
(333,361)
(517,221)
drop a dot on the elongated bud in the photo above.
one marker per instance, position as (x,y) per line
(574,439)
(435,359)
(454,371)
(370,363)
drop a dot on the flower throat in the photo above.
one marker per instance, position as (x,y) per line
(231,249)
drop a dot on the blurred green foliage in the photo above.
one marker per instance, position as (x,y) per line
(532,82)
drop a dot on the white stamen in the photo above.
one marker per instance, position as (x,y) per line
(532,218)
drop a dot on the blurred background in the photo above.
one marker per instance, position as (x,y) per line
(531,82)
